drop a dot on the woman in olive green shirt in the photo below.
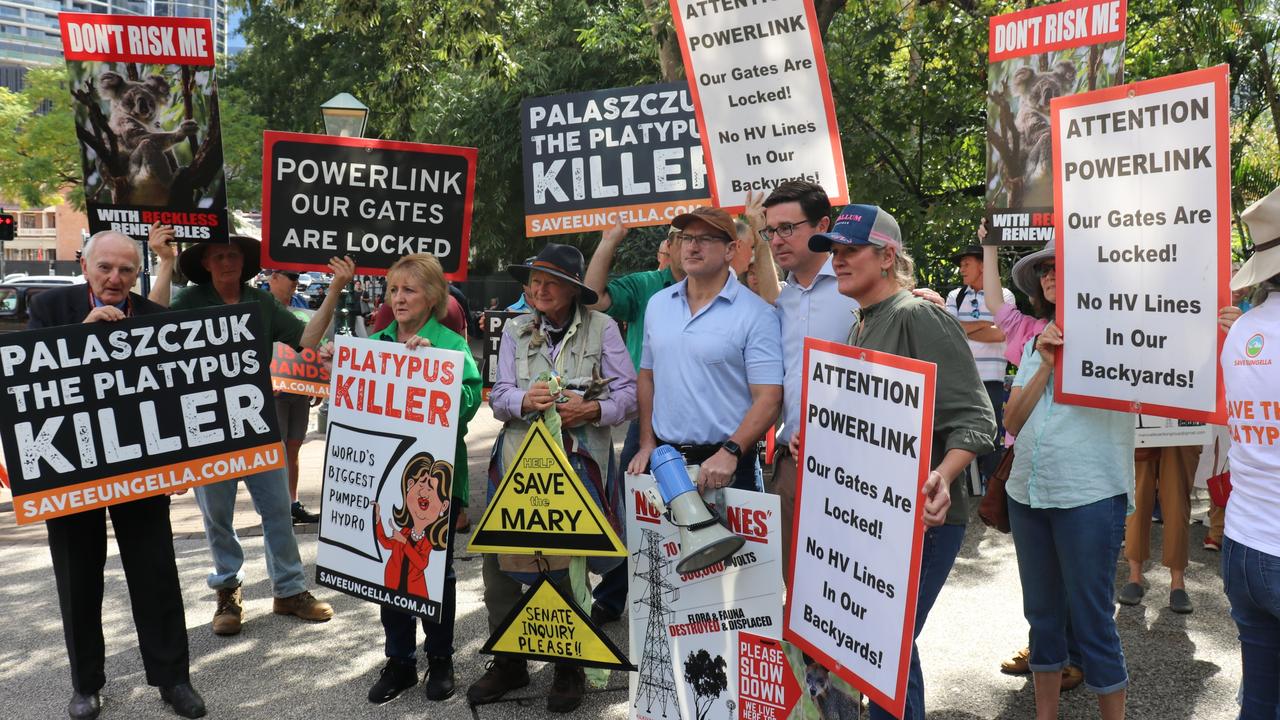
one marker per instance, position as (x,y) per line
(419,296)
(872,268)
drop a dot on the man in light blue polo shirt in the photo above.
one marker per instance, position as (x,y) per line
(710,380)
(810,305)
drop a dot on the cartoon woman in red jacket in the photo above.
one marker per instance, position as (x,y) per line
(423,522)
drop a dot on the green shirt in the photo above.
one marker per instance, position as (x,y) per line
(279,324)
(962,416)
(446,339)
(630,295)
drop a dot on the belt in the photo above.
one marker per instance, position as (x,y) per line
(698,454)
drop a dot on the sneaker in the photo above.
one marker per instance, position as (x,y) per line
(301,516)
(1211,545)
(303,605)
(230,612)
(1019,664)
(1072,676)
(567,687)
(397,676)
(439,678)
(501,676)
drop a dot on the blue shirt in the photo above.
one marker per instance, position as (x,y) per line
(520,305)
(817,311)
(1067,456)
(297,301)
(704,364)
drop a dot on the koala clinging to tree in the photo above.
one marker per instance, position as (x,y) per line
(1034,90)
(135,112)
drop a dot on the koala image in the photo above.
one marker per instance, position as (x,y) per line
(1034,90)
(833,703)
(135,111)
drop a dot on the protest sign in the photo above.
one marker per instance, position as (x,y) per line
(865,440)
(375,200)
(541,506)
(388,473)
(548,625)
(1152,431)
(298,371)
(594,158)
(760,89)
(1143,181)
(685,628)
(146,105)
(101,413)
(767,689)
(1036,55)
(494,321)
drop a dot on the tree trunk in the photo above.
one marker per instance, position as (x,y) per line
(664,35)
(826,10)
(1266,73)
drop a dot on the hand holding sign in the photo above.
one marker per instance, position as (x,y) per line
(160,239)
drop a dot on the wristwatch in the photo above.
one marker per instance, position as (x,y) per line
(733,448)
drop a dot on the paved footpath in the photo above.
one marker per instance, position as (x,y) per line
(279,667)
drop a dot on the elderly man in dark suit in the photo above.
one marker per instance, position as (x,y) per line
(78,542)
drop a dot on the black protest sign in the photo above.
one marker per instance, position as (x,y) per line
(375,200)
(100,413)
(594,158)
(494,321)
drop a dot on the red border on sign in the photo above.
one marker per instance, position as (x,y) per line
(206,59)
(271,137)
(1216,76)
(897,703)
(841,196)
(1044,10)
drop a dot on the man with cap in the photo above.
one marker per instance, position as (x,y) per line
(221,273)
(968,304)
(710,379)
(293,411)
(78,542)
(560,336)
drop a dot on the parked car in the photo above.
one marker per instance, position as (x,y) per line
(15,298)
(315,292)
(20,278)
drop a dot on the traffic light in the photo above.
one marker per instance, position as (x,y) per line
(7,225)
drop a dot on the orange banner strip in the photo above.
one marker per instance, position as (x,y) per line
(69,499)
(574,221)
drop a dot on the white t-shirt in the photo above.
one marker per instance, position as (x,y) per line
(973,306)
(1251,374)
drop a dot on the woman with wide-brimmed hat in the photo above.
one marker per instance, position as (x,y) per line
(584,349)
(221,273)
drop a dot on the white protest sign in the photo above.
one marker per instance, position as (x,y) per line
(393,423)
(675,617)
(865,440)
(763,101)
(1142,178)
(1152,431)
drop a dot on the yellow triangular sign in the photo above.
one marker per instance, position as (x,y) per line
(542,507)
(547,625)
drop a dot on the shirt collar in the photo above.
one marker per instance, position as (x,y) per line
(97,302)
(729,292)
(825,271)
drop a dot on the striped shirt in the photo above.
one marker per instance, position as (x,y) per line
(973,307)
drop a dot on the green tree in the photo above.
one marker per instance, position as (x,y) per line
(241,148)
(40,158)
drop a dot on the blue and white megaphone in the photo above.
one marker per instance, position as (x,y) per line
(703,540)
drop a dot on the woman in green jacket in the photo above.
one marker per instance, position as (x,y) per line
(419,295)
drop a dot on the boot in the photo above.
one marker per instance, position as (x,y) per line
(230,612)
(439,678)
(502,676)
(567,687)
(397,676)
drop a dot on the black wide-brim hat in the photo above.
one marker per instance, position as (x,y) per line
(190,259)
(562,261)
(973,251)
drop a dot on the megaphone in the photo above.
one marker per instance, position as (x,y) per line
(703,540)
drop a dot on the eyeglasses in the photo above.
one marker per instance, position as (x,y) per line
(783,230)
(1045,269)
(973,312)
(701,239)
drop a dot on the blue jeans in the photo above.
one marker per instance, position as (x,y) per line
(270,493)
(938,554)
(1067,564)
(399,627)
(1251,579)
(987,462)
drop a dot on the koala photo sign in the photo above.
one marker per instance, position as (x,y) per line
(1036,55)
(146,107)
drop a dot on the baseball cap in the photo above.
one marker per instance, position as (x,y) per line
(715,217)
(859,225)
